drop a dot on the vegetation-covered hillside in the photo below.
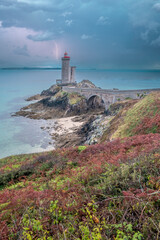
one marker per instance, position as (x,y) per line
(105,191)
(142,117)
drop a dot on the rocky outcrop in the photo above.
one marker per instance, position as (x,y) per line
(93,129)
(36,97)
(56,103)
(51,91)
(55,88)
(98,126)
(86,84)
(114,109)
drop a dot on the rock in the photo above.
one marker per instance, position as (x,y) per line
(51,91)
(93,129)
(114,109)
(62,104)
(35,97)
(86,84)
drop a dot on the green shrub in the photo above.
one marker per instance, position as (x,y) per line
(81,148)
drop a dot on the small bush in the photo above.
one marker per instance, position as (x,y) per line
(81,148)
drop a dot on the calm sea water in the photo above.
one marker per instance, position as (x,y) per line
(20,135)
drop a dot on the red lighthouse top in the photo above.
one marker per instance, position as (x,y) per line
(66,55)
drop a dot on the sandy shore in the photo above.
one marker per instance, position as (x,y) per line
(64,131)
(62,126)
(66,126)
(73,131)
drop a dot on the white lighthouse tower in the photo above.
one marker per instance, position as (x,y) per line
(68,73)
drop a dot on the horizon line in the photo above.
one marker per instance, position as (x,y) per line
(90,68)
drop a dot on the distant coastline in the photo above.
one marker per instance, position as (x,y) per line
(31,68)
(81,69)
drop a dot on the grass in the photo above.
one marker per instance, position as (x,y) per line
(132,121)
(74,98)
(59,94)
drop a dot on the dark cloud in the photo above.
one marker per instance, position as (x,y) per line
(156,42)
(157,6)
(104,33)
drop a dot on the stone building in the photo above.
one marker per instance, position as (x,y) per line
(68,73)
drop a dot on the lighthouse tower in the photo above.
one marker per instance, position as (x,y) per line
(68,73)
(65,68)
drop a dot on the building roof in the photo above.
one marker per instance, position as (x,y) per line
(66,55)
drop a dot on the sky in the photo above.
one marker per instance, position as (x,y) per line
(105,34)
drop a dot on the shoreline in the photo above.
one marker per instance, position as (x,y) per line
(66,132)
(77,130)
(63,132)
(71,119)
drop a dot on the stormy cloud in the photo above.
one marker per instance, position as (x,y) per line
(103,34)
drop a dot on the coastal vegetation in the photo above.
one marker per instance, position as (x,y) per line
(70,98)
(106,191)
(110,190)
(135,118)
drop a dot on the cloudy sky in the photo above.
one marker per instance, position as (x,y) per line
(96,33)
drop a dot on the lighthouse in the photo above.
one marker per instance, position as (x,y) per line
(65,68)
(68,73)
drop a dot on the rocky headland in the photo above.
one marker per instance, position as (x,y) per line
(55,103)
(73,120)
(68,115)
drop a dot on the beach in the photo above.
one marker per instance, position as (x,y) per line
(64,131)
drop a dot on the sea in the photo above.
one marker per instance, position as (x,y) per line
(20,135)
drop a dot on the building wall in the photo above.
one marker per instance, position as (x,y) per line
(72,76)
(65,70)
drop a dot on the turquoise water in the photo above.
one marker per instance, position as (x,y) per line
(20,135)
